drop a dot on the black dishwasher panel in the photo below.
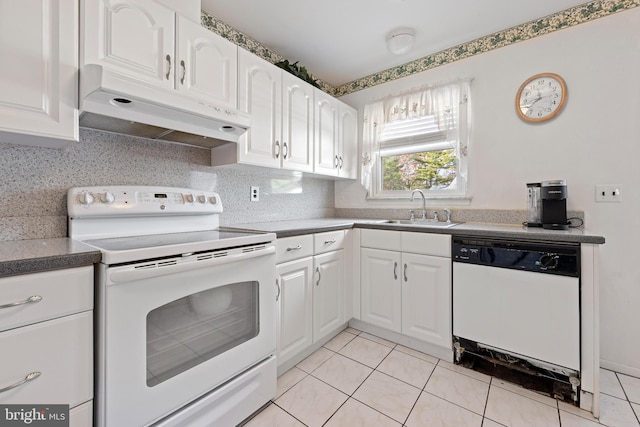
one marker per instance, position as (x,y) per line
(546,258)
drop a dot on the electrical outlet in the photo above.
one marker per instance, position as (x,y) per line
(255,194)
(608,193)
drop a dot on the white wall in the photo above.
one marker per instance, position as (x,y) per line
(595,140)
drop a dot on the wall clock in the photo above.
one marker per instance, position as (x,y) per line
(541,97)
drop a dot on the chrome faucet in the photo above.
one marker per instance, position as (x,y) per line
(424,202)
(448,213)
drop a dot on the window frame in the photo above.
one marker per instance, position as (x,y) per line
(434,138)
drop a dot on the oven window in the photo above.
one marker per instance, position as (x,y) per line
(191,330)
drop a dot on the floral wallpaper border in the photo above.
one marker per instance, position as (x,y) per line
(559,21)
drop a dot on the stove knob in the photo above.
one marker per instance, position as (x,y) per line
(189,198)
(85,198)
(202,199)
(213,200)
(107,197)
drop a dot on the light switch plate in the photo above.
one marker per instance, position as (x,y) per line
(606,193)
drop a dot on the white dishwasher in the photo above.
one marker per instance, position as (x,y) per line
(516,312)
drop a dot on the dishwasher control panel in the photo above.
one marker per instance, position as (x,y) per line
(519,255)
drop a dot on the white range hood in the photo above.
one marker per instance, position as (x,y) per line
(116,103)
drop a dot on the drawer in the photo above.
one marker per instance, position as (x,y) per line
(327,242)
(381,239)
(81,416)
(427,244)
(62,292)
(295,247)
(61,350)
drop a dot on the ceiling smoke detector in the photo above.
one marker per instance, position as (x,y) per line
(401,40)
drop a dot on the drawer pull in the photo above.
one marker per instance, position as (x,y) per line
(32,299)
(329,242)
(297,248)
(30,377)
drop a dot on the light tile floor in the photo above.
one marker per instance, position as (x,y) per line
(358,379)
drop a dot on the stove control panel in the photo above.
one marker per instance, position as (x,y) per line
(140,201)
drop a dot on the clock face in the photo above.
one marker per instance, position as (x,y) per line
(541,97)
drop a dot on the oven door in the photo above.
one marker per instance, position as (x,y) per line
(171,330)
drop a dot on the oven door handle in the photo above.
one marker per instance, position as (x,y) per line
(160,268)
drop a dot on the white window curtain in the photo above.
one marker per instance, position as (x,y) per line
(448,104)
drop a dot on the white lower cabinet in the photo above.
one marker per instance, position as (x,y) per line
(311,287)
(295,305)
(407,292)
(426,298)
(381,296)
(328,292)
(46,336)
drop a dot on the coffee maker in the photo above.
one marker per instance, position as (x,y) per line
(554,204)
(547,205)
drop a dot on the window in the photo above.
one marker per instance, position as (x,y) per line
(417,141)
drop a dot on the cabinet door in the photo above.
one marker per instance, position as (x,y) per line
(295,308)
(426,298)
(328,293)
(297,124)
(38,77)
(206,64)
(348,141)
(135,37)
(327,160)
(260,94)
(380,288)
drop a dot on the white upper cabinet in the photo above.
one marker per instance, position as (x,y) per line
(207,65)
(38,77)
(327,160)
(297,124)
(294,125)
(152,44)
(347,141)
(335,137)
(260,95)
(281,109)
(133,37)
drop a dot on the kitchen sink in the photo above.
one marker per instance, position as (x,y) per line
(423,223)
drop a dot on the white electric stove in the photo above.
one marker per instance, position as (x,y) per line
(185,310)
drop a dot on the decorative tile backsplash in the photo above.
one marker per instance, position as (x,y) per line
(559,21)
(34,182)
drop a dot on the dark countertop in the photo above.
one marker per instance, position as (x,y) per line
(31,256)
(503,231)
